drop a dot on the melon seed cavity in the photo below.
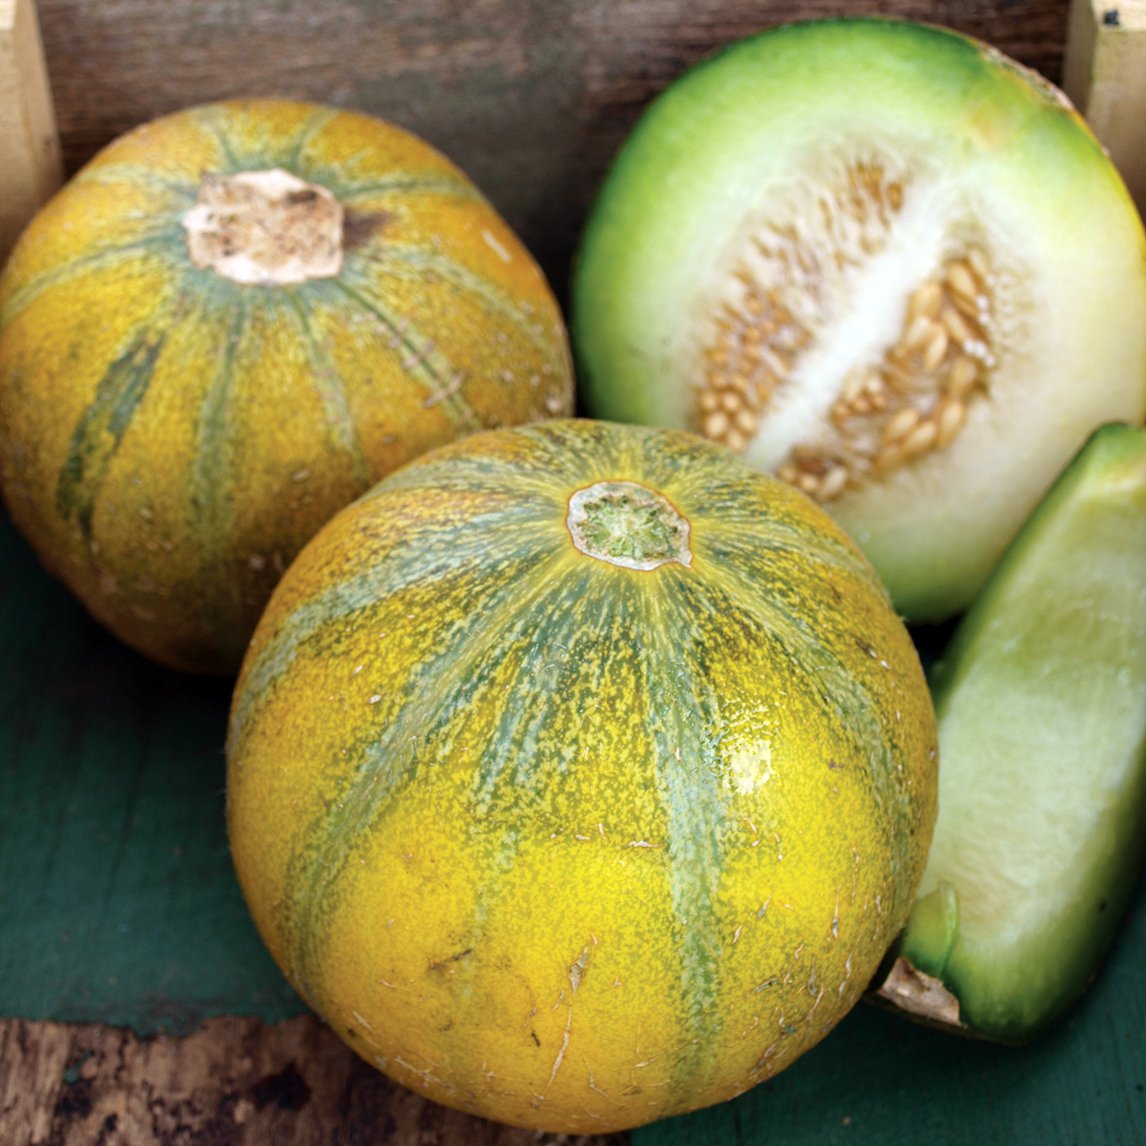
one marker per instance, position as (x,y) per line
(628,524)
(265,228)
(800,273)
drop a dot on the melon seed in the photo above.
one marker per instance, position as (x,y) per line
(910,400)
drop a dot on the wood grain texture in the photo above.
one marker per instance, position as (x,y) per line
(530,97)
(234,1082)
(29,143)
(1104,73)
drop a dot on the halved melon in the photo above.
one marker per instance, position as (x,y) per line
(884,261)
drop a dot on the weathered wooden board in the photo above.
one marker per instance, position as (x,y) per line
(30,160)
(1104,73)
(530,97)
(235,1082)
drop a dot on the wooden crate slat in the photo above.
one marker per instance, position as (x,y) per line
(30,160)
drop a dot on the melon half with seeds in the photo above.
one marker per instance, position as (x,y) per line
(884,261)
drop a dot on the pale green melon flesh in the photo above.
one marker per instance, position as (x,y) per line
(1041,703)
(753,150)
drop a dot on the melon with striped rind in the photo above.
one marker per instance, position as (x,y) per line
(580,775)
(882,260)
(230,323)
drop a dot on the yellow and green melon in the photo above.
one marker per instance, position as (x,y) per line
(229,324)
(580,775)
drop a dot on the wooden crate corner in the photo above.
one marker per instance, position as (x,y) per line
(30,164)
(1104,74)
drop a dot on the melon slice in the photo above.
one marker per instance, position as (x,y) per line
(1041,702)
(883,261)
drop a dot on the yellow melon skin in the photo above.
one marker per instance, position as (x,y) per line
(169,437)
(567,843)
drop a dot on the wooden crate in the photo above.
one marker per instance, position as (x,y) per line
(138,1005)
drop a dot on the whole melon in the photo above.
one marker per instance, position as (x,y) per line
(580,775)
(229,324)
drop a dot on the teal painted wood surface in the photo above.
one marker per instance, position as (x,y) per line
(118,904)
(117,898)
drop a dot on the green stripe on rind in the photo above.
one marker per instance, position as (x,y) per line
(683,715)
(216,120)
(420,358)
(328,385)
(816,659)
(440,554)
(417,265)
(211,478)
(334,177)
(447,470)
(561,455)
(786,541)
(133,176)
(389,758)
(101,258)
(441,185)
(313,126)
(817,663)
(213,119)
(549,616)
(100,430)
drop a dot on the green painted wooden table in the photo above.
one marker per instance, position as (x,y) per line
(137,1004)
